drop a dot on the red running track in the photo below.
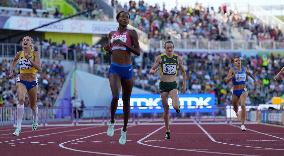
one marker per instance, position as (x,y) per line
(193,140)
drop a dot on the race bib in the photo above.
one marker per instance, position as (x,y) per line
(169,69)
(240,77)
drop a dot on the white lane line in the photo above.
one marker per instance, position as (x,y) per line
(237,145)
(39,130)
(9,129)
(273,136)
(92,152)
(48,134)
(154,140)
(259,140)
(209,135)
(81,141)
(181,149)
(34,142)
(42,144)
(50,142)
(97,141)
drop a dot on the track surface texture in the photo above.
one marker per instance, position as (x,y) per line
(188,139)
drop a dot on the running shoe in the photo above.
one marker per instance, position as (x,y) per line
(122,139)
(178,110)
(34,125)
(110,130)
(17,132)
(243,128)
(168,135)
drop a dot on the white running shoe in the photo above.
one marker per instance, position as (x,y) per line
(34,125)
(110,130)
(122,139)
(243,128)
(17,132)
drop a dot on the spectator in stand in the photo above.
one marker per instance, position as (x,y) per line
(202,69)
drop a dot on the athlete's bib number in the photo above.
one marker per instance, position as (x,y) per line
(240,77)
(169,69)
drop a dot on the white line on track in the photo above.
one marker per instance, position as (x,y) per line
(92,152)
(182,149)
(34,142)
(261,140)
(97,141)
(237,145)
(48,134)
(154,140)
(9,129)
(273,136)
(81,141)
(39,130)
(50,142)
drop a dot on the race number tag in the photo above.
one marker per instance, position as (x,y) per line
(169,69)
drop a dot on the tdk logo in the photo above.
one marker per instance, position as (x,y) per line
(144,103)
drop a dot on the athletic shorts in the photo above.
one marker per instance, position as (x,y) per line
(238,93)
(167,86)
(29,85)
(124,71)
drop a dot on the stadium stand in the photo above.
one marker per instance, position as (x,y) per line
(50,82)
(193,23)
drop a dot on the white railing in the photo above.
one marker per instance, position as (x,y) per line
(187,44)
(55,52)
(265,16)
(143,39)
(8,11)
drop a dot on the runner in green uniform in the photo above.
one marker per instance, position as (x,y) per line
(169,64)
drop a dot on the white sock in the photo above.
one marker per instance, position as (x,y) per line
(35,114)
(20,114)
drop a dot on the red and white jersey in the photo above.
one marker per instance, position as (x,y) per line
(124,37)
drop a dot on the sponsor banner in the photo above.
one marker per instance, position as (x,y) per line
(151,103)
(67,26)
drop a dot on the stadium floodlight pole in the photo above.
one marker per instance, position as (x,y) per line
(44,25)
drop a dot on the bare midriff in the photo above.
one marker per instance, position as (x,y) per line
(239,87)
(27,77)
(121,57)
(168,78)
